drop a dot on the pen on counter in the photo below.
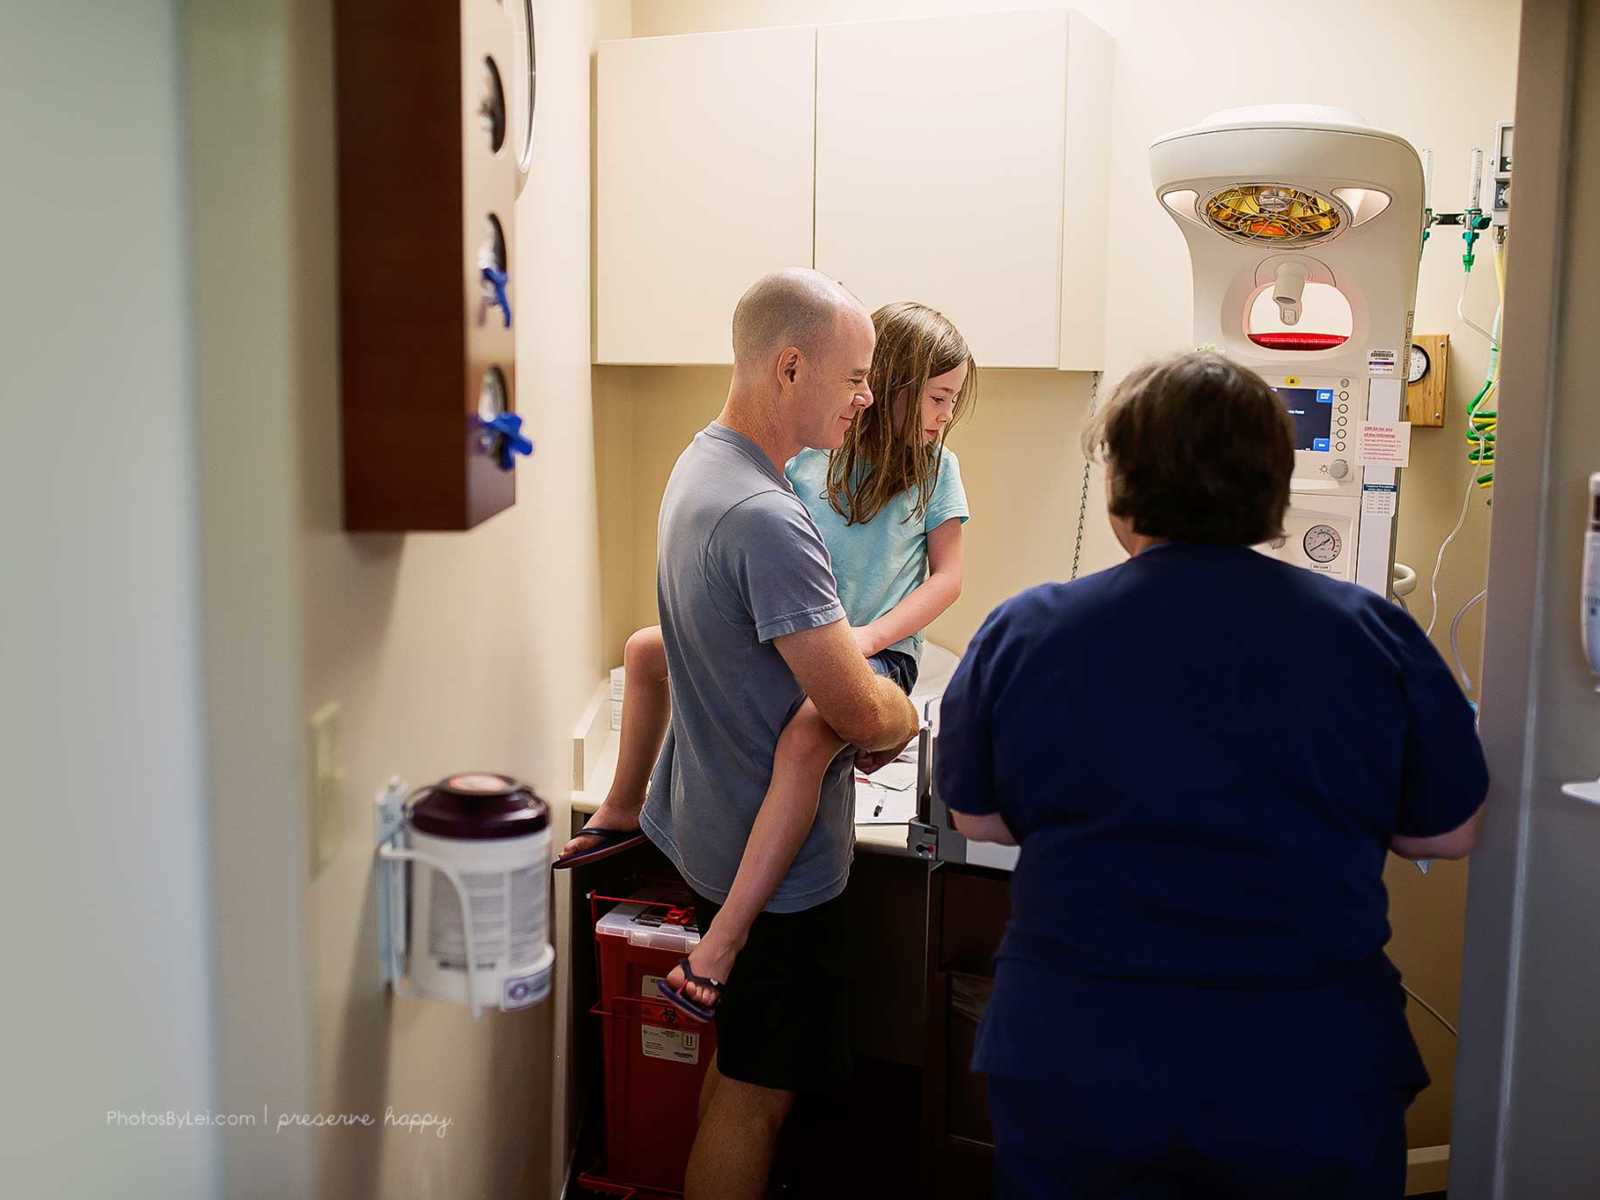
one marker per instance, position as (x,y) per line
(877,808)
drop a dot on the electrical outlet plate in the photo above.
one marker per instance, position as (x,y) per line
(327,780)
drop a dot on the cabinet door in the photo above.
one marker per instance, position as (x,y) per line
(939,172)
(704,165)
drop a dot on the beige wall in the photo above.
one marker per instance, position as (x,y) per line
(1440,73)
(443,652)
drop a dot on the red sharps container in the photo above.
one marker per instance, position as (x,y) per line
(655,1055)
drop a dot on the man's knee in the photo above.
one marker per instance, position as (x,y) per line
(808,737)
(757,1111)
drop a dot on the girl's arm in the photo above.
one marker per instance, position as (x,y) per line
(932,596)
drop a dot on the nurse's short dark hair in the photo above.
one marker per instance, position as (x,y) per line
(1199,449)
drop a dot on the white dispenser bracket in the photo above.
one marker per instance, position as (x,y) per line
(389,876)
(390,879)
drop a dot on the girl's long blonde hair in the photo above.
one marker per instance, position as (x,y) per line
(885,452)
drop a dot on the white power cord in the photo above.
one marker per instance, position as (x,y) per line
(1402,582)
(1466,499)
(1433,580)
(1455,643)
(1437,1015)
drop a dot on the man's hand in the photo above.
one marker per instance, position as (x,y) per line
(866,640)
(868,761)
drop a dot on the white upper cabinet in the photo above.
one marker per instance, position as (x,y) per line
(958,161)
(704,166)
(941,173)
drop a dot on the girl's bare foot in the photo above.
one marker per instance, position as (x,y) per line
(712,959)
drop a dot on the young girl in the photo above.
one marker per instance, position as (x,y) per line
(890,506)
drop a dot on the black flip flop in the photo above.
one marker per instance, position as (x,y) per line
(611,841)
(700,1012)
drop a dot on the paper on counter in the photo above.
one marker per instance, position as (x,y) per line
(897,776)
(896,807)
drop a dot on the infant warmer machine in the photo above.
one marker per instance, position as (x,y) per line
(1305,230)
(472,927)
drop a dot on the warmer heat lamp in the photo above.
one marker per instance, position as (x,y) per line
(1304,227)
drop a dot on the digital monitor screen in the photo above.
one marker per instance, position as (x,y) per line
(1312,410)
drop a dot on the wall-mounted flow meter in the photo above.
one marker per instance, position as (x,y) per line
(1500,175)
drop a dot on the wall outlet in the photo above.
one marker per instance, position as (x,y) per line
(327,787)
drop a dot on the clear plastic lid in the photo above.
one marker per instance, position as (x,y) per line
(650,926)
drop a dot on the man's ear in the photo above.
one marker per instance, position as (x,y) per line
(789,365)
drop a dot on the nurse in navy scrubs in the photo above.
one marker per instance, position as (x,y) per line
(1205,755)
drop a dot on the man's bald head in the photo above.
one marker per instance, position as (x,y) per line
(794,307)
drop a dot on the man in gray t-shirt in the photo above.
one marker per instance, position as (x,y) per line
(739,564)
(752,626)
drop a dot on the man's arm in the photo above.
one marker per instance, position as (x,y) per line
(1458,843)
(862,709)
(866,710)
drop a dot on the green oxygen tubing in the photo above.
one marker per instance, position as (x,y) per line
(1482,421)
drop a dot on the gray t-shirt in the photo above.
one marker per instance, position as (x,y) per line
(739,562)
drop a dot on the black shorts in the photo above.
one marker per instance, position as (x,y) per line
(783,1020)
(896,665)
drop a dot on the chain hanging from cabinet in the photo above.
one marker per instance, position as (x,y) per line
(1083,494)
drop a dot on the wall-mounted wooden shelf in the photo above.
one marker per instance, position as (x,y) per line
(428,180)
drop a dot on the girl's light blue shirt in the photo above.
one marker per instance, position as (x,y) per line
(880,563)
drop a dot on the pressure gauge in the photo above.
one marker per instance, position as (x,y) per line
(1322,543)
(1418,364)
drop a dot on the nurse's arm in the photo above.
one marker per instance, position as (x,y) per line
(991,827)
(1458,843)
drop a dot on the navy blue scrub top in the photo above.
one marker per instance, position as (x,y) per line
(1203,753)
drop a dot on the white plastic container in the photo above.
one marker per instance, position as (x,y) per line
(491,835)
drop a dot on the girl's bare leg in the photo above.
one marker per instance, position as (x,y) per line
(646,705)
(806,748)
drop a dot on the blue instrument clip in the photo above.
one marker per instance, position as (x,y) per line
(498,281)
(508,442)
